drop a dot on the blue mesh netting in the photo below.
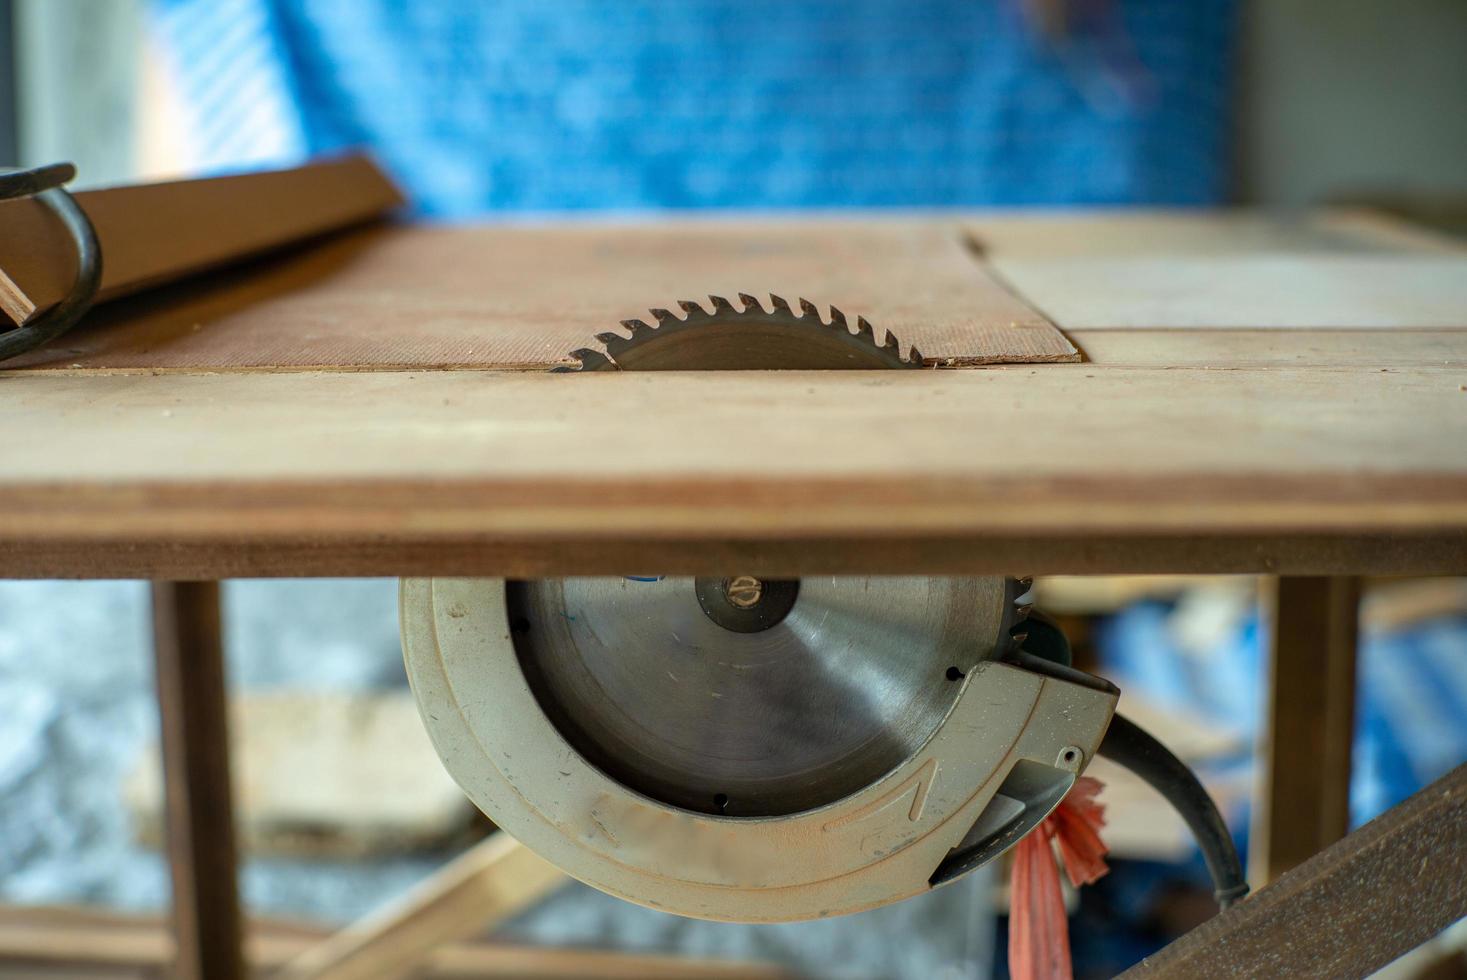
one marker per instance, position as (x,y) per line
(528,105)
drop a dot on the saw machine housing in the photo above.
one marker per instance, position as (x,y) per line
(1001,757)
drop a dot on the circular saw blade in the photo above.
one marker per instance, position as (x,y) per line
(747,339)
(854,678)
(676,699)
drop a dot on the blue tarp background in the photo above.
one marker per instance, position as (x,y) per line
(1411,693)
(578,104)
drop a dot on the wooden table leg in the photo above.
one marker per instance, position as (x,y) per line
(195,741)
(1303,804)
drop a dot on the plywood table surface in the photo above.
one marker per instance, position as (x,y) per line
(523,296)
(1316,445)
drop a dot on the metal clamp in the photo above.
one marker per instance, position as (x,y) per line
(44,184)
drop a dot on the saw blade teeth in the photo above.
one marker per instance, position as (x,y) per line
(838,333)
(591,360)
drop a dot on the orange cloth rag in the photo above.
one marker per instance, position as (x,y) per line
(1039,940)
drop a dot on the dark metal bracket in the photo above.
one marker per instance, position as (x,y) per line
(44,184)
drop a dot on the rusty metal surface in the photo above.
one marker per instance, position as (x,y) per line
(1346,912)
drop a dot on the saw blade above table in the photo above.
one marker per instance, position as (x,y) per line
(524,297)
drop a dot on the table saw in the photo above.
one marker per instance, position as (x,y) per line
(716,533)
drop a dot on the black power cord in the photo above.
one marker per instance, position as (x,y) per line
(1046,650)
(1130,745)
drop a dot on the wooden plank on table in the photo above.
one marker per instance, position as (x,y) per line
(1387,230)
(1379,893)
(189,658)
(155,233)
(526,296)
(1228,349)
(1278,291)
(1303,803)
(601,462)
(66,941)
(480,888)
(1197,233)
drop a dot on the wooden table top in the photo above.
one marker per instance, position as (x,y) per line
(1253,396)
